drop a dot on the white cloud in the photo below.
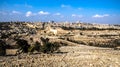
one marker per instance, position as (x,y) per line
(16,12)
(43,13)
(79,16)
(100,16)
(65,6)
(58,14)
(29,13)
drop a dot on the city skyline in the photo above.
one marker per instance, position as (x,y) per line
(91,11)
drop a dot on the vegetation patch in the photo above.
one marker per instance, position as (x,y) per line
(47,46)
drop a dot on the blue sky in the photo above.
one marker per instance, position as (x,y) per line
(91,11)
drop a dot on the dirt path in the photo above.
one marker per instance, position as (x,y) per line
(70,56)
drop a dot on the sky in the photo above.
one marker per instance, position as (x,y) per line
(90,11)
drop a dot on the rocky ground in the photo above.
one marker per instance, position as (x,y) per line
(69,56)
(71,52)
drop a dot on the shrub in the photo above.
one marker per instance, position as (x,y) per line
(49,47)
(31,49)
(117,42)
(37,46)
(2,47)
(34,47)
(23,45)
